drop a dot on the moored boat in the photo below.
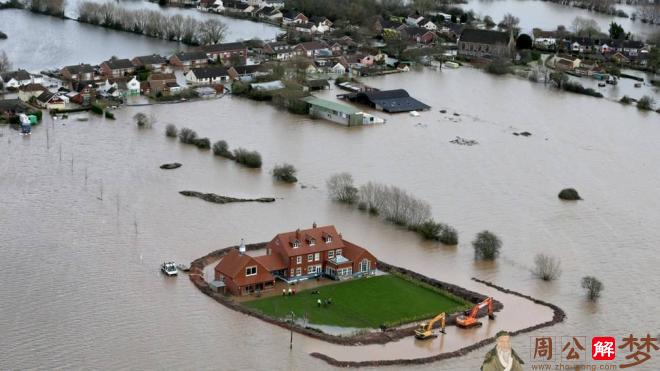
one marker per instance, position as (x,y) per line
(169,268)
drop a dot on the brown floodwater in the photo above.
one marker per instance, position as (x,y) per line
(87,217)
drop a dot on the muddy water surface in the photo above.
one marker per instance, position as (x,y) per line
(81,253)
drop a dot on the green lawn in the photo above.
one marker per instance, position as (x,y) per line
(365,302)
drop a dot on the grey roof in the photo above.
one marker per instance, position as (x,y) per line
(80,68)
(249,69)
(191,56)
(151,59)
(484,36)
(45,96)
(209,72)
(19,75)
(224,47)
(394,101)
(117,64)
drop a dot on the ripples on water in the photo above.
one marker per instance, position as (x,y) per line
(82,289)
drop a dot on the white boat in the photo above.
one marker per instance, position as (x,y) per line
(169,268)
(450,64)
(414,113)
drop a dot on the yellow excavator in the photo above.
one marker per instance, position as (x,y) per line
(424,331)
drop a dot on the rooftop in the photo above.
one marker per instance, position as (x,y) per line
(334,106)
(484,36)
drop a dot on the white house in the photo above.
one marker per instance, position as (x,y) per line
(338,69)
(207,75)
(14,79)
(426,23)
(133,87)
(545,42)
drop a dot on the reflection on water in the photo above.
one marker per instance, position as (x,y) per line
(38,42)
(80,279)
(547,15)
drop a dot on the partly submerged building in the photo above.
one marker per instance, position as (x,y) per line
(292,256)
(339,113)
(392,101)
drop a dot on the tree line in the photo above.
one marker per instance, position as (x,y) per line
(153,23)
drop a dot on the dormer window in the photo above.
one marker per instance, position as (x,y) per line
(296,244)
(312,242)
(251,271)
(327,238)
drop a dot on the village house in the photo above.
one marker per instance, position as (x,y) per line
(158,82)
(110,88)
(29,91)
(291,17)
(305,28)
(292,256)
(427,24)
(246,73)
(566,62)
(485,43)
(215,6)
(280,51)
(311,48)
(227,52)
(50,100)
(14,79)
(207,75)
(188,60)
(85,92)
(133,87)
(419,35)
(79,72)
(414,19)
(117,67)
(152,62)
(322,24)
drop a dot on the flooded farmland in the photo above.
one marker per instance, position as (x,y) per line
(87,217)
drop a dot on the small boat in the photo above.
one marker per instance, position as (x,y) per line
(26,125)
(450,64)
(601,84)
(638,84)
(414,113)
(183,267)
(169,268)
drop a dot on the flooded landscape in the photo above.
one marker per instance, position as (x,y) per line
(88,215)
(83,276)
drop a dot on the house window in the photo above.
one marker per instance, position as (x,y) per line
(364,265)
(296,244)
(251,271)
(298,271)
(317,256)
(331,254)
(338,252)
(311,269)
(298,259)
(312,242)
(310,257)
(328,239)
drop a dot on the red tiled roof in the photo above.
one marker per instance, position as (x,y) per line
(271,262)
(233,266)
(284,241)
(353,252)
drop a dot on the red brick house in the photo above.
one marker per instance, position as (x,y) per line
(152,62)
(188,60)
(117,67)
(291,256)
(82,72)
(227,52)
(243,274)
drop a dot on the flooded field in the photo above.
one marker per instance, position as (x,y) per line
(37,42)
(88,216)
(547,15)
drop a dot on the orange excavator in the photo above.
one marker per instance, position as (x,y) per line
(469,318)
(424,331)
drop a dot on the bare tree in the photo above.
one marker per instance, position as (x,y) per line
(175,27)
(5,64)
(189,27)
(509,21)
(341,188)
(211,31)
(55,7)
(593,287)
(546,267)
(585,26)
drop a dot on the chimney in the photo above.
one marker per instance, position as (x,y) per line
(314,225)
(298,234)
(241,247)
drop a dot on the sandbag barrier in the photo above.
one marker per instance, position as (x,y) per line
(196,275)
